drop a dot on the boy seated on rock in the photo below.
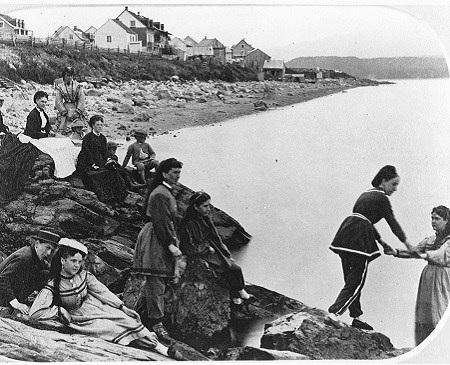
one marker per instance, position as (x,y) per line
(142,155)
(113,162)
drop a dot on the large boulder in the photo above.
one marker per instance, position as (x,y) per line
(307,332)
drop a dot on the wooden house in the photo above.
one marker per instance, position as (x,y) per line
(65,34)
(190,41)
(274,69)
(90,34)
(116,35)
(218,48)
(241,50)
(13,27)
(255,59)
(151,34)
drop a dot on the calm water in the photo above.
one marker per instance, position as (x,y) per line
(291,175)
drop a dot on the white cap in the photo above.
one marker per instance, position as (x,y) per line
(74,244)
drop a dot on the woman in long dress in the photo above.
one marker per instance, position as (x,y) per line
(199,238)
(157,246)
(86,305)
(434,285)
(93,163)
(356,243)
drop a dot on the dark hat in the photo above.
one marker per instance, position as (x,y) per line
(68,71)
(140,132)
(47,236)
(111,144)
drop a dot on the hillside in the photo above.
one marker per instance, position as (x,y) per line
(378,68)
(43,64)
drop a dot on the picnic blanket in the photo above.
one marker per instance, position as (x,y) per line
(61,149)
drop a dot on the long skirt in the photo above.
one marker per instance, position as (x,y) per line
(97,319)
(432,299)
(107,184)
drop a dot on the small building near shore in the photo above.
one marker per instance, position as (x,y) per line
(241,50)
(274,69)
(218,48)
(66,35)
(255,60)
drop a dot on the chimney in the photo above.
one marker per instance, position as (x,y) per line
(75,28)
(162,26)
(150,23)
(139,13)
(23,24)
(126,7)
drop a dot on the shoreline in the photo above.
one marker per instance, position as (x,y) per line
(165,107)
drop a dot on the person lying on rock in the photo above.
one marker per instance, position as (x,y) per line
(84,304)
(107,183)
(142,155)
(38,124)
(199,238)
(26,270)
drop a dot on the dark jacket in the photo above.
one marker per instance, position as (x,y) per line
(3,128)
(357,234)
(33,127)
(93,151)
(152,255)
(21,273)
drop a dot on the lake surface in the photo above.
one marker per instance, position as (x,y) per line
(290,176)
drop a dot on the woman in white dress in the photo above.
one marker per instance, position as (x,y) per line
(434,285)
(86,305)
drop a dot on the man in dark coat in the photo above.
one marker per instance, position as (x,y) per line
(26,270)
(38,124)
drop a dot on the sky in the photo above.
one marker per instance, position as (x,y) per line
(283,31)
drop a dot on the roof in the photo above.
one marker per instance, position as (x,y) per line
(200,51)
(123,26)
(277,64)
(145,21)
(257,50)
(8,19)
(63,28)
(205,42)
(190,41)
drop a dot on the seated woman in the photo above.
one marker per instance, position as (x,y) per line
(93,163)
(38,124)
(199,238)
(84,304)
(76,135)
(434,285)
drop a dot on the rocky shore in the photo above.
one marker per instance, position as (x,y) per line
(198,310)
(163,107)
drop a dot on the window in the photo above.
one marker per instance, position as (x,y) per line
(1,25)
(70,36)
(132,23)
(108,38)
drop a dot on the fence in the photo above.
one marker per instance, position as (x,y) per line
(15,39)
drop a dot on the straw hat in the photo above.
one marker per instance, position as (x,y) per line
(47,236)
(140,133)
(73,244)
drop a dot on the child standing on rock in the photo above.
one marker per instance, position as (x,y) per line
(141,154)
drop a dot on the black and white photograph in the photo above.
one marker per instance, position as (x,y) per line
(210,181)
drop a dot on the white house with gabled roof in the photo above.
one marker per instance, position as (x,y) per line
(116,35)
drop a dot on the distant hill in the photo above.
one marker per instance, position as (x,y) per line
(378,68)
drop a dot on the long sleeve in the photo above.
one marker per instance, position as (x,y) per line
(128,156)
(33,126)
(14,269)
(101,292)
(159,209)
(440,256)
(420,248)
(190,241)
(81,102)
(42,307)
(393,224)
(59,100)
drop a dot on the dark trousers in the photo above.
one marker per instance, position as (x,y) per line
(234,279)
(354,267)
(154,290)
